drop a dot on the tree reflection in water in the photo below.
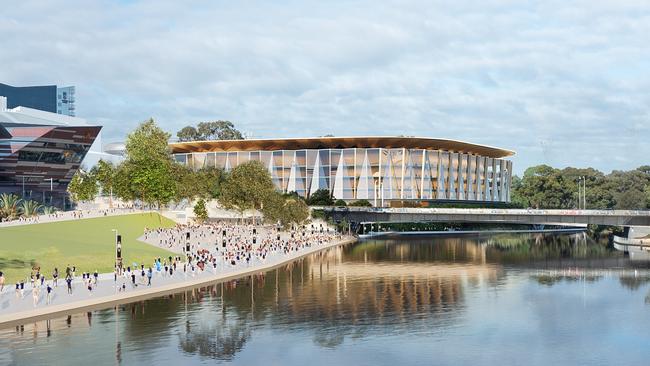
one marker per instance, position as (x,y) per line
(219,342)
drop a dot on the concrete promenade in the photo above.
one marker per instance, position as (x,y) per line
(72,215)
(16,311)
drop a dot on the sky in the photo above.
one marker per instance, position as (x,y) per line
(564,83)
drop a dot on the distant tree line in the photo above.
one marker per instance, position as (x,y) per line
(543,186)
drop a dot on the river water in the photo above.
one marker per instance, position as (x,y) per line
(509,300)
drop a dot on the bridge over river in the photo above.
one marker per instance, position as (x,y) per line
(625,218)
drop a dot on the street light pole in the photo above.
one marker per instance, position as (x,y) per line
(579,195)
(584,192)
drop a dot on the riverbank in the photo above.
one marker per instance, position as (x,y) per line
(13,318)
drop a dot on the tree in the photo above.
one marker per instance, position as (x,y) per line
(247,186)
(105,171)
(188,133)
(321,197)
(273,207)
(219,130)
(544,187)
(83,186)
(295,211)
(204,183)
(148,166)
(340,203)
(215,130)
(361,203)
(284,209)
(632,199)
(200,211)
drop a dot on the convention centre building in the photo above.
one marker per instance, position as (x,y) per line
(40,152)
(382,170)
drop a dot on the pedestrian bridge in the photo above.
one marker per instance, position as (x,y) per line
(481,215)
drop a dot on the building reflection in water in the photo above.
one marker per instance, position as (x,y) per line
(371,288)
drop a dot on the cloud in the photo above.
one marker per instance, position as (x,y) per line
(563,84)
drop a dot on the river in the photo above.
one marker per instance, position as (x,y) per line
(533,299)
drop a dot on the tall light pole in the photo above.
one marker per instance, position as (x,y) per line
(584,193)
(118,252)
(579,192)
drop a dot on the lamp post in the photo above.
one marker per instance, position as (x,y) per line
(579,193)
(118,252)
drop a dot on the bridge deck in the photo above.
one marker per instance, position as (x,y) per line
(513,216)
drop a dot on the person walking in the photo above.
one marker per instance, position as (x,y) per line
(55,277)
(2,281)
(22,289)
(68,272)
(68,280)
(49,294)
(96,275)
(149,274)
(35,295)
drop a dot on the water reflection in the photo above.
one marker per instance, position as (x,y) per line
(374,290)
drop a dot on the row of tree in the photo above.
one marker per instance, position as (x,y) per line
(150,175)
(543,186)
(13,207)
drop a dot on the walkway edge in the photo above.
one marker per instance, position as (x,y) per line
(105,302)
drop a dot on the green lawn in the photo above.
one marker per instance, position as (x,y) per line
(88,244)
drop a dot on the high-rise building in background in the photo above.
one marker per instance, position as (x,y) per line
(48,98)
(65,100)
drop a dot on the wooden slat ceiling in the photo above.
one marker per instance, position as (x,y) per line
(340,143)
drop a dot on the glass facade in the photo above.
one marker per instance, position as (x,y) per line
(38,161)
(376,174)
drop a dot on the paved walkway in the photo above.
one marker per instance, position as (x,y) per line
(72,215)
(16,310)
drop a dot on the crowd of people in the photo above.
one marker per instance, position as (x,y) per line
(207,249)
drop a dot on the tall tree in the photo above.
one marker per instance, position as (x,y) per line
(215,130)
(148,165)
(83,186)
(188,133)
(219,130)
(105,171)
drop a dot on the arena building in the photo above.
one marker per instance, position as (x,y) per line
(378,169)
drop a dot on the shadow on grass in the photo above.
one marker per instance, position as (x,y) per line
(16,263)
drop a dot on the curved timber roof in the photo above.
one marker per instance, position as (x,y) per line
(340,143)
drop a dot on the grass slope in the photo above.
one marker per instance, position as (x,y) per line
(88,244)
